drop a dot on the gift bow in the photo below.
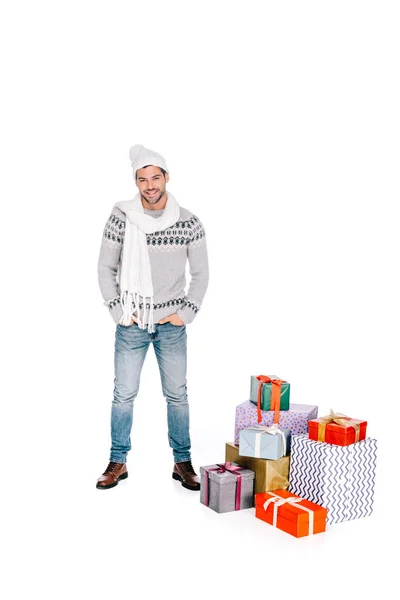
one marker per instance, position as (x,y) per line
(222,468)
(273,430)
(339,420)
(276,385)
(278,501)
(228,466)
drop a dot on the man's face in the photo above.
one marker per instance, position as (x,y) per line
(151,183)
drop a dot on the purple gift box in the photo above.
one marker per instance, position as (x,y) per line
(296,418)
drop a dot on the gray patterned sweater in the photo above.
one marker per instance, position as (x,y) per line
(169,251)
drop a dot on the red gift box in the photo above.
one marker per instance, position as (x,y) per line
(292,514)
(337,429)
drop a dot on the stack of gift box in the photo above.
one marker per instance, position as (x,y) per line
(300,472)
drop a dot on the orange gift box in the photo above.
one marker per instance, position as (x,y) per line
(289,512)
(337,429)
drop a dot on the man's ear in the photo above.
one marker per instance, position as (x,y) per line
(166,177)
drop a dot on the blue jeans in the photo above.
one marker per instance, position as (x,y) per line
(131,345)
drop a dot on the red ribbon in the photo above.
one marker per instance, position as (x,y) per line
(276,386)
(227,466)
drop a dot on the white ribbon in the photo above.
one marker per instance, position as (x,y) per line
(273,430)
(279,501)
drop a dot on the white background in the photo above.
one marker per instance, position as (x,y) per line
(280,125)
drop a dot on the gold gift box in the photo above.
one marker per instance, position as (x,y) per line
(269,474)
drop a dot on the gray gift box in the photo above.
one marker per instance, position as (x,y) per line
(222,488)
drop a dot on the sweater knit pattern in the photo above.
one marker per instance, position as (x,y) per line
(186,240)
(179,234)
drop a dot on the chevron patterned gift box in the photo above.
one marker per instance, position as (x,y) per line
(341,478)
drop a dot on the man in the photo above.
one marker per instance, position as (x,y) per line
(146,244)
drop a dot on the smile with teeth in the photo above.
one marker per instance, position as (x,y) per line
(152,193)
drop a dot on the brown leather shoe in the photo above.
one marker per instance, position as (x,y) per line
(112,475)
(184,472)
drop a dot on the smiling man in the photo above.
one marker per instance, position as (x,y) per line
(146,244)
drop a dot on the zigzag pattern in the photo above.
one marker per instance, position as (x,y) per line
(340,478)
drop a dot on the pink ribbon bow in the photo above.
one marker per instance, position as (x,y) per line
(222,468)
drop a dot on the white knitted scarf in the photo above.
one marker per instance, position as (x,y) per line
(135,280)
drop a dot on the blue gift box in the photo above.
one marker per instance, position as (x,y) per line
(258,442)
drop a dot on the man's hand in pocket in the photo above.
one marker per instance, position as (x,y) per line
(174,319)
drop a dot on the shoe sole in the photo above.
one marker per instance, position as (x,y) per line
(111,485)
(185,485)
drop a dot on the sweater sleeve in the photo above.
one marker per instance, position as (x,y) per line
(198,265)
(107,269)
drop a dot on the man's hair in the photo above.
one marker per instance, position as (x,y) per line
(162,170)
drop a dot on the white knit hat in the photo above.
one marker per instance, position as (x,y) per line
(141,156)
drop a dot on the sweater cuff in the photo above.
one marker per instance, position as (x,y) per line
(187,312)
(115,308)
